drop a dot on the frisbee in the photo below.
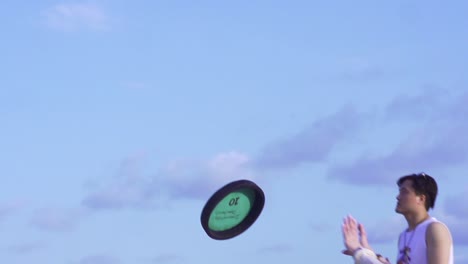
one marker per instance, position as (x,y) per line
(232,209)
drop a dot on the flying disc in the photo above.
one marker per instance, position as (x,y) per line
(232,209)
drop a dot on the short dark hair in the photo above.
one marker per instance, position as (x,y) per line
(423,184)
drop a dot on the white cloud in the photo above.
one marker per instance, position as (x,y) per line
(77,16)
(197,179)
(184,178)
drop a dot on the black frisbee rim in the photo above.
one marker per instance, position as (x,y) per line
(246,223)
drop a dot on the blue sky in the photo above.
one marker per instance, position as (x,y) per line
(120,119)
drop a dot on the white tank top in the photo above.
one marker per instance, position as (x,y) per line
(416,241)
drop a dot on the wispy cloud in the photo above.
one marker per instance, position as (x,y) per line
(198,179)
(393,226)
(129,187)
(26,248)
(437,142)
(459,229)
(455,214)
(322,227)
(167,258)
(76,16)
(136,85)
(461,258)
(452,213)
(360,69)
(314,143)
(276,249)
(422,106)
(420,151)
(57,220)
(456,205)
(99,259)
(180,179)
(8,208)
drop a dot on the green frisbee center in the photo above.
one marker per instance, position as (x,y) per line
(231,210)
